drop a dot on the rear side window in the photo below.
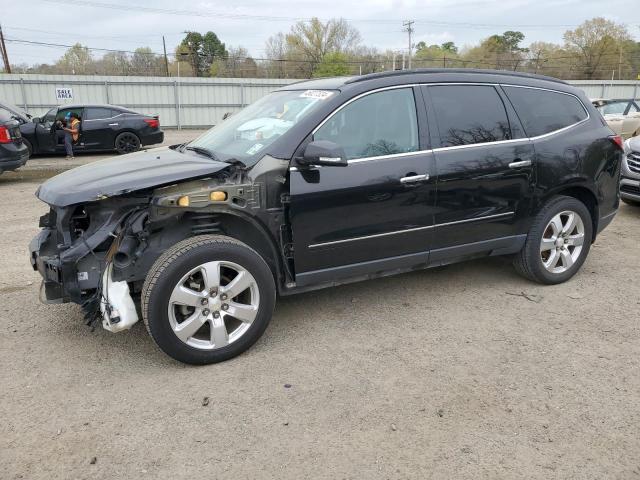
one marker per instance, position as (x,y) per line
(544,111)
(97,113)
(383,123)
(469,114)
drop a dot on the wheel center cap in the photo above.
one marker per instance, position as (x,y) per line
(559,242)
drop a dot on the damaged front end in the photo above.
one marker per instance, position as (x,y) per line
(77,246)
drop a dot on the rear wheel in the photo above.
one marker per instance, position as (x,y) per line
(127,142)
(208,299)
(558,242)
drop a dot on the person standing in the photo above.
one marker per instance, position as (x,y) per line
(71,134)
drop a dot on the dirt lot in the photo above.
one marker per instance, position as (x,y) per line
(466,371)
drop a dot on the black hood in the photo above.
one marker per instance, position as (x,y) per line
(127,173)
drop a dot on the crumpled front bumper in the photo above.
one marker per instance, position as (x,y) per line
(49,267)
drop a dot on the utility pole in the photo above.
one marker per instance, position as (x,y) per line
(166,61)
(5,55)
(409,29)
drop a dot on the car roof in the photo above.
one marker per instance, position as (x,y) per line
(95,105)
(426,75)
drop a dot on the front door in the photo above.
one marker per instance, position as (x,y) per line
(484,165)
(45,132)
(375,214)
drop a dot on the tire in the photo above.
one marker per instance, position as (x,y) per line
(218,338)
(28,145)
(536,260)
(127,142)
(633,203)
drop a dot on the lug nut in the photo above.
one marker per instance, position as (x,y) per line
(216,314)
(223,296)
(225,306)
(204,301)
(206,312)
(213,292)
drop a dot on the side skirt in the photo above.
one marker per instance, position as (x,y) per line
(355,272)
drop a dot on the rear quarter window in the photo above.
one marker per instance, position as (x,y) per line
(545,111)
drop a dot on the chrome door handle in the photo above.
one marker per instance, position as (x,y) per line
(414,178)
(520,164)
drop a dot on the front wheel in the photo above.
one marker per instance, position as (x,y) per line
(558,242)
(127,142)
(208,299)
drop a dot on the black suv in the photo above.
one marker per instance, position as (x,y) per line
(325,182)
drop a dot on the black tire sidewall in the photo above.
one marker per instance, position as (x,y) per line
(559,204)
(157,309)
(122,152)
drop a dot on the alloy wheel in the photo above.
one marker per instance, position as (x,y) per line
(562,242)
(128,143)
(213,305)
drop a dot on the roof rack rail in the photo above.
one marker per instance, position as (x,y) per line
(506,73)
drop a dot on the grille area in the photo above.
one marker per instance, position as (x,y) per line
(631,189)
(633,162)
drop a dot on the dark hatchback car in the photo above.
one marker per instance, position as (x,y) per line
(326,182)
(13,151)
(102,128)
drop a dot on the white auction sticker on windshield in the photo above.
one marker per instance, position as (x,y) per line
(319,94)
(255,149)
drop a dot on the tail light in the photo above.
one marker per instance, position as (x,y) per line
(152,122)
(5,135)
(617,139)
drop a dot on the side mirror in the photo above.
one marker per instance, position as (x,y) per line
(324,153)
(35,119)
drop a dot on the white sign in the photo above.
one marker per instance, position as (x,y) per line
(64,93)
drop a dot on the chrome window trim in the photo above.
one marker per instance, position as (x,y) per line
(408,230)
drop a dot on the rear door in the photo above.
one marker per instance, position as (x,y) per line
(98,128)
(375,214)
(485,170)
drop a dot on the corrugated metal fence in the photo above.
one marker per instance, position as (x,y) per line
(188,102)
(180,102)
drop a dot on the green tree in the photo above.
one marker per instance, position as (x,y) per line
(145,62)
(333,64)
(77,61)
(597,45)
(203,50)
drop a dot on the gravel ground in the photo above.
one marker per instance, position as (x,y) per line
(460,372)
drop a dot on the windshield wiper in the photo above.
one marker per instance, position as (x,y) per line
(203,151)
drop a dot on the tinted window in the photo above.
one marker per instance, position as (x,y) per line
(97,113)
(543,111)
(50,116)
(468,114)
(66,114)
(381,123)
(613,108)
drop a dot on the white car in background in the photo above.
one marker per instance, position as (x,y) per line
(623,116)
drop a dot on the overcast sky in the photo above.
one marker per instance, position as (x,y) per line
(116,24)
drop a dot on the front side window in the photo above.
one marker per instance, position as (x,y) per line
(545,111)
(381,123)
(469,114)
(50,116)
(244,135)
(65,115)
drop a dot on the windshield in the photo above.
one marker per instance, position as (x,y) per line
(245,134)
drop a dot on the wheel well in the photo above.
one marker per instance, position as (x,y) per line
(587,197)
(244,230)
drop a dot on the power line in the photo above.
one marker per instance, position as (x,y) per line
(271,18)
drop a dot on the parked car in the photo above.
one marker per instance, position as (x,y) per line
(623,116)
(630,178)
(13,151)
(102,128)
(326,182)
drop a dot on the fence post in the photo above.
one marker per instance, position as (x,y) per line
(602,90)
(106,91)
(241,94)
(635,90)
(176,97)
(24,94)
